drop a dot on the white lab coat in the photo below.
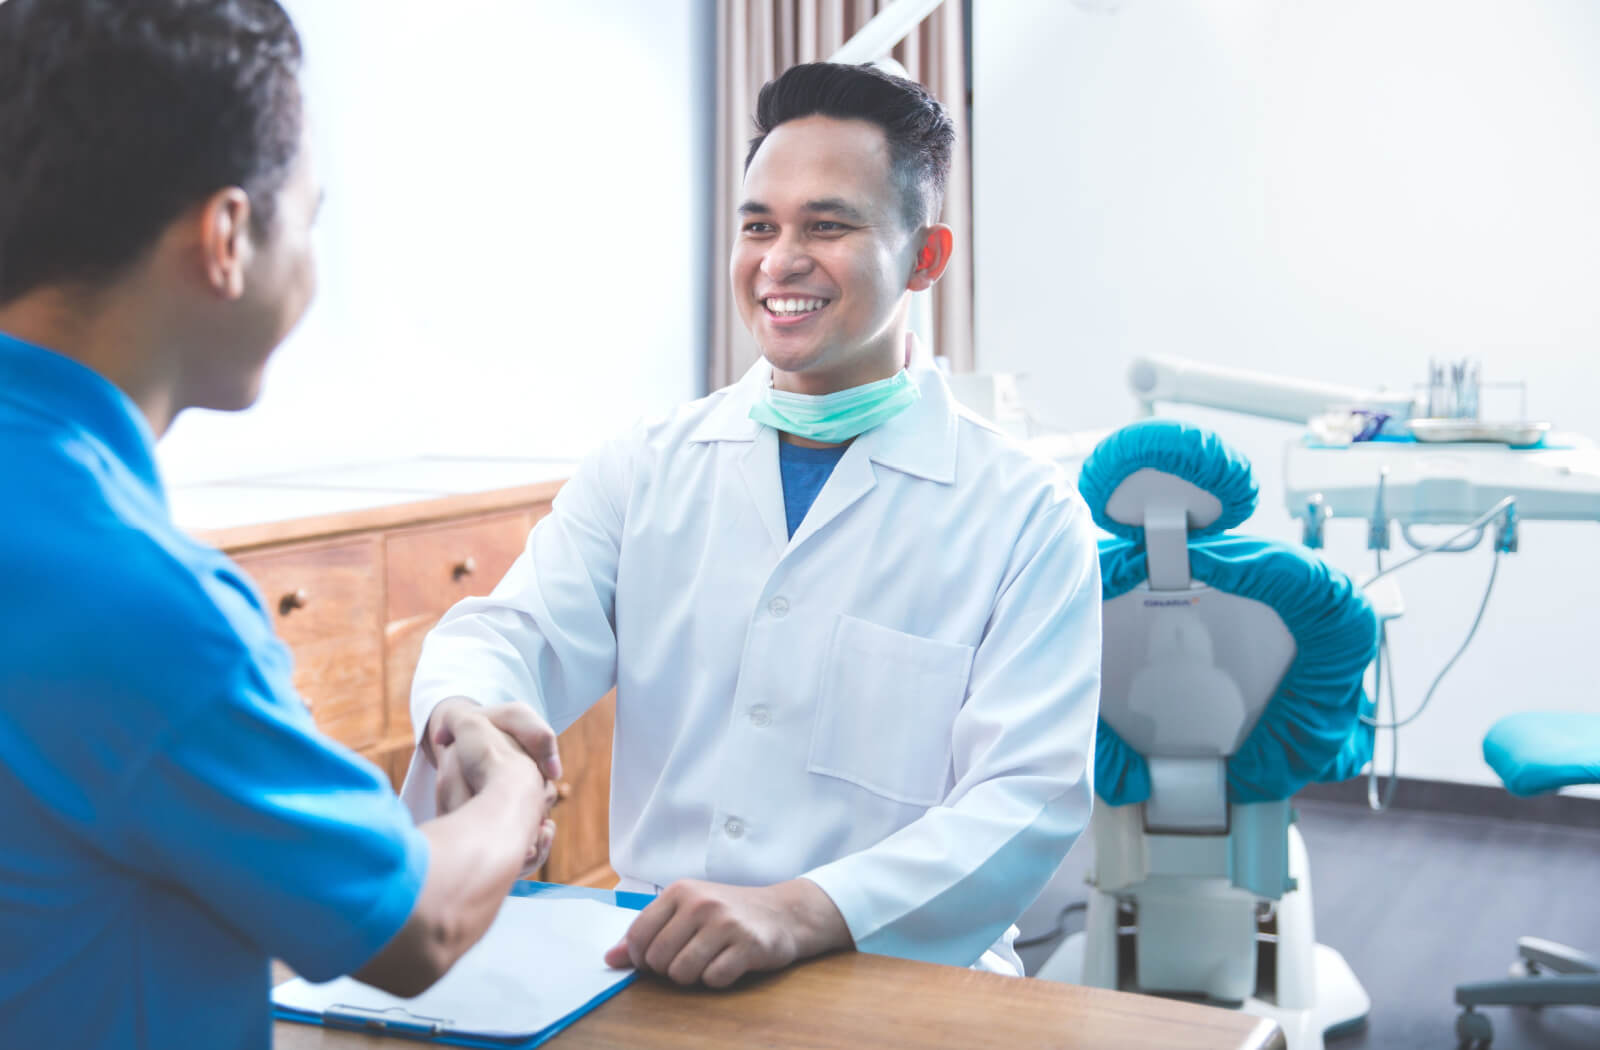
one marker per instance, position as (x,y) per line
(898,703)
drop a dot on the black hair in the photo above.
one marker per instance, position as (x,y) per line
(920,133)
(117,115)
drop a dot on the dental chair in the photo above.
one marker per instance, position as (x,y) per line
(1231,677)
(1534,752)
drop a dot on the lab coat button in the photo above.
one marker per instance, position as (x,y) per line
(734,827)
(778,607)
(760,716)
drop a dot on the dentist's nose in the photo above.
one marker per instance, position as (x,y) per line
(786,258)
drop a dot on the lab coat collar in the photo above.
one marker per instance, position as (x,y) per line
(921,441)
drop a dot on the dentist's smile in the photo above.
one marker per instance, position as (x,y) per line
(789,310)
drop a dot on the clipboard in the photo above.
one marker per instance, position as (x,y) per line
(402,1022)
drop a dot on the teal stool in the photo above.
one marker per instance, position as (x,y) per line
(1535,752)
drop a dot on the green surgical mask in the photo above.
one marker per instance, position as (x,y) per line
(840,416)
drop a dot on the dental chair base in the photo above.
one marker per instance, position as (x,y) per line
(1206,937)
(1341,1006)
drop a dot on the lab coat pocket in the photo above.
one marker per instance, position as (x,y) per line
(886,709)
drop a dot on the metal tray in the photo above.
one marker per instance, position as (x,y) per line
(1478,430)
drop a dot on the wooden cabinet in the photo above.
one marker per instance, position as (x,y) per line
(354,594)
(427,569)
(327,605)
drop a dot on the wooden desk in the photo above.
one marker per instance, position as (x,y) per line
(851,1001)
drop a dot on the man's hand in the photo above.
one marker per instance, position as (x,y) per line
(495,805)
(468,743)
(518,721)
(705,931)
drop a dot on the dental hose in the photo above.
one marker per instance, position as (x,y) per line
(1377,800)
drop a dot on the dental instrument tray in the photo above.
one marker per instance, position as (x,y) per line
(1514,434)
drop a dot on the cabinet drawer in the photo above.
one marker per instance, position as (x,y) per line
(431,569)
(325,601)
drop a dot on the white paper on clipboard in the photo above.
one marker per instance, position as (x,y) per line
(541,960)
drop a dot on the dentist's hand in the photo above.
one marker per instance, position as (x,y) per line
(467,741)
(705,931)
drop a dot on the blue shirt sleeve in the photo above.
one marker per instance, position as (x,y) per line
(298,844)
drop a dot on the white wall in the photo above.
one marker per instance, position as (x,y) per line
(515,244)
(1332,189)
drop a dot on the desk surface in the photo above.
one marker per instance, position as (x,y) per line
(851,1000)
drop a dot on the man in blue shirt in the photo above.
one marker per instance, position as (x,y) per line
(170,818)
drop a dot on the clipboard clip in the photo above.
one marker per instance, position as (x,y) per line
(367,1018)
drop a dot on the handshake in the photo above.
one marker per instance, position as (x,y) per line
(506,750)
(694,932)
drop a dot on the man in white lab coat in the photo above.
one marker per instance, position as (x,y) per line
(854,632)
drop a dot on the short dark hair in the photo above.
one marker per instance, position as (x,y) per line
(117,115)
(920,133)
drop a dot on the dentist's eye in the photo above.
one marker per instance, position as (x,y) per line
(830,227)
(758,227)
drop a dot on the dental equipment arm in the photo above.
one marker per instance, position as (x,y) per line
(1173,379)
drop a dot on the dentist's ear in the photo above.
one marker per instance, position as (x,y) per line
(932,257)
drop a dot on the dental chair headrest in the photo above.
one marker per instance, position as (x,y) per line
(1149,484)
(1172,462)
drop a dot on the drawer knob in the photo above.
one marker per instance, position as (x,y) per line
(563,791)
(296,599)
(465,567)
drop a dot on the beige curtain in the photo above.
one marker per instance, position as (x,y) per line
(757,40)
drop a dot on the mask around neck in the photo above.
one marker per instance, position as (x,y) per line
(839,416)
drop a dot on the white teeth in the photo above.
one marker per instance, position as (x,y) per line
(795,306)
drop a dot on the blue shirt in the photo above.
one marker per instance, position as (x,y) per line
(805,471)
(170,817)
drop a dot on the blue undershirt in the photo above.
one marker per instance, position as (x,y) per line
(804,471)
